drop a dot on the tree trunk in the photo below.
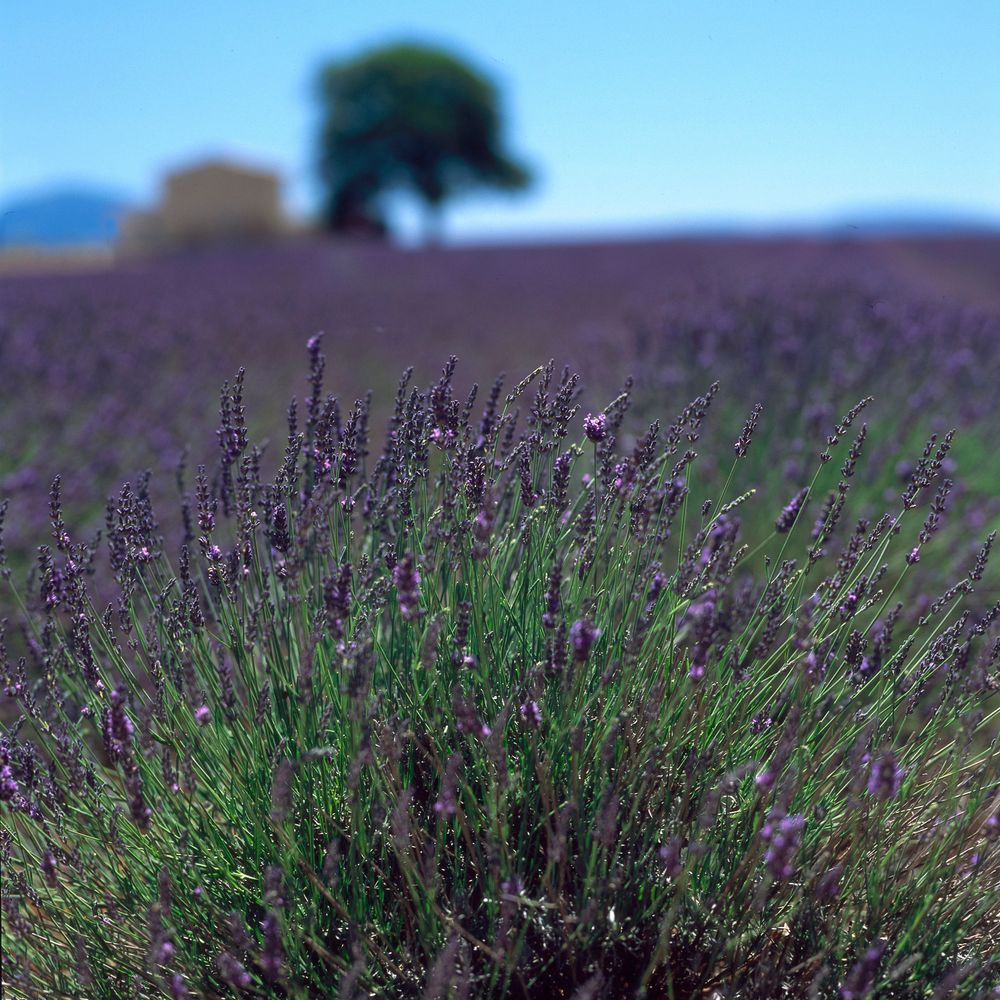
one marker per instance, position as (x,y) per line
(433,224)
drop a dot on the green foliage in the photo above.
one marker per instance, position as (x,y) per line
(503,713)
(413,118)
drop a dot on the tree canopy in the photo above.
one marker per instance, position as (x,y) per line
(410,118)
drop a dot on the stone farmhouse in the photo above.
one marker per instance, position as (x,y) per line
(215,201)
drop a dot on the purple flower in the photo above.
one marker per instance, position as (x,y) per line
(466,719)
(442,438)
(445,806)
(482,526)
(513,886)
(232,971)
(406,578)
(447,803)
(275,894)
(582,635)
(743,441)
(765,779)
(8,786)
(828,887)
(278,531)
(49,866)
(624,474)
(814,669)
(178,988)
(81,961)
(670,855)
(861,979)
(790,512)
(281,790)
(203,716)
(139,810)
(783,836)
(164,952)
(272,956)
(702,607)
(117,727)
(595,426)
(550,617)
(531,713)
(337,600)
(239,933)
(885,777)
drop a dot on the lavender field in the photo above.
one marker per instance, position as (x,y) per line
(105,375)
(667,666)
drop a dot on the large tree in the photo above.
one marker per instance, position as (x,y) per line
(408,118)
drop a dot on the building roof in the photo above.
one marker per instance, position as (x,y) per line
(220,165)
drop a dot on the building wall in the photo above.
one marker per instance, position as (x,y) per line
(139,233)
(210,203)
(220,202)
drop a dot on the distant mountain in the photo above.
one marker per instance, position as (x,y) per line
(62,217)
(867,222)
(916,221)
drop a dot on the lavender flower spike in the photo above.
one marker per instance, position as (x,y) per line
(886,777)
(583,634)
(861,979)
(406,577)
(783,837)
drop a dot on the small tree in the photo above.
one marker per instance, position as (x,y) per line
(408,118)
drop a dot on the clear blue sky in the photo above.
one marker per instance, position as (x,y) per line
(635,114)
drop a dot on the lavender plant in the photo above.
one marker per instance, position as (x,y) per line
(501,710)
(107,372)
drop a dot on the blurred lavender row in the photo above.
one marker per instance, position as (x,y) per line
(103,375)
